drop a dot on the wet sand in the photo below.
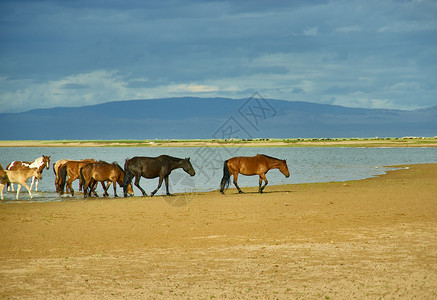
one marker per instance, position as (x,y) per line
(373,238)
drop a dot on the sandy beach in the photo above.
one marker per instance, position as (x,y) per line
(367,239)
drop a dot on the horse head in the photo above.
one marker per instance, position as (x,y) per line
(3,175)
(284,169)
(46,161)
(37,174)
(130,190)
(186,165)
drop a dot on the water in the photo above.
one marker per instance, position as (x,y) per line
(306,165)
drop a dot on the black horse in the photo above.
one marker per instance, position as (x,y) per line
(152,167)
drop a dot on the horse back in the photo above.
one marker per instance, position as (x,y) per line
(102,171)
(19,176)
(248,165)
(148,167)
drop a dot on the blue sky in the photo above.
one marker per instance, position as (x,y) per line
(372,54)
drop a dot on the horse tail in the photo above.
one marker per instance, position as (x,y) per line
(226,180)
(128,176)
(63,177)
(82,178)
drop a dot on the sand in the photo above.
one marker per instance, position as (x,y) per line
(367,239)
(371,142)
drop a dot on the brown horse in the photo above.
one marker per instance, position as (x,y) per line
(56,167)
(39,164)
(152,167)
(3,176)
(72,170)
(20,177)
(102,172)
(259,164)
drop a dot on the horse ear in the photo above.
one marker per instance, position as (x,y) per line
(188,159)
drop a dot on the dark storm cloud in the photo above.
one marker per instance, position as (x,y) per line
(364,53)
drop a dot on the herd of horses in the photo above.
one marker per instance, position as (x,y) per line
(90,172)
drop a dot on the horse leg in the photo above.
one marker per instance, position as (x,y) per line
(166,186)
(70,187)
(2,186)
(106,194)
(92,186)
(28,189)
(18,191)
(159,185)
(36,184)
(85,189)
(235,174)
(137,184)
(32,182)
(261,178)
(114,183)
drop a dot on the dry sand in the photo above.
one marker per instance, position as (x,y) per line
(373,238)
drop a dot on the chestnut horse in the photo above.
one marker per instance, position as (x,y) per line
(56,167)
(20,177)
(102,171)
(152,167)
(39,164)
(259,164)
(72,170)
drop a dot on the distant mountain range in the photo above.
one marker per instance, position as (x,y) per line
(192,118)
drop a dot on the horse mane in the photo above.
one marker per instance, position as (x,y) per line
(117,165)
(175,159)
(271,157)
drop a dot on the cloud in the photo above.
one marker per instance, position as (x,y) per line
(192,88)
(349,29)
(71,53)
(314,31)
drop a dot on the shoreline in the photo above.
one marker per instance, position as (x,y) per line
(347,142)
(370,238)
(180,199)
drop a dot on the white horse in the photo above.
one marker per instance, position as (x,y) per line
(20,177)
(38,164)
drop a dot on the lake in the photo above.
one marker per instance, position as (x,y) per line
(306,165)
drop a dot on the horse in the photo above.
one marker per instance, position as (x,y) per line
(259,164)
(39,164)
(152,167)
(3,176)
(102,171)
(72,169)
(20,177)
(56,167)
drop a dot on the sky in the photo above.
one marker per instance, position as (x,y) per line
(370,54)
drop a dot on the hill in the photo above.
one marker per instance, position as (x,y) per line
(191,118)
